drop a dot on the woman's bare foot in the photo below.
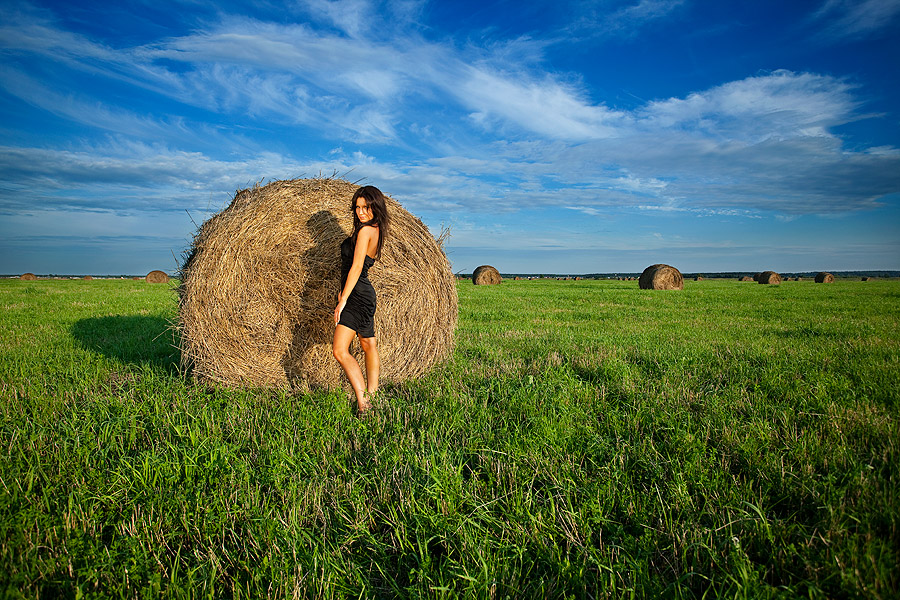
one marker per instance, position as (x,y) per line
(363,408)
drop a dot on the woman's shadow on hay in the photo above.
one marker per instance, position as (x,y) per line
(313,330)
(131,339)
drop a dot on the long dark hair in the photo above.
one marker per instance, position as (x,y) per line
(375,201)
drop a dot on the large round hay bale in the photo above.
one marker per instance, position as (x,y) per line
(87,278)
(661,277)
(824,277)
(486,275)
(28,276)
(260,284)
(769,278)
(157,277)
(746,278)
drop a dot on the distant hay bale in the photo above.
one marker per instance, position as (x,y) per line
(486,275)
(865,278)
(28,277)
(157,277)
(260,284)
(661,277)
(87,278)
(698,278)
(517,278)
(798,278)
(769,278)
(746,278)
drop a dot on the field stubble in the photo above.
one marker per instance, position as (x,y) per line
(586,439)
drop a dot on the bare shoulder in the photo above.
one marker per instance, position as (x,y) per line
(368,232)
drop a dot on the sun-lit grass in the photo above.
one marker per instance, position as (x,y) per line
(587,439)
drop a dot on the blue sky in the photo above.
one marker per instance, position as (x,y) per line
(563,136)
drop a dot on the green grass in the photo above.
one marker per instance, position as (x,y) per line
(587,439)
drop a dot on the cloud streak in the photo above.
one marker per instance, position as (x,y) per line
(854,19)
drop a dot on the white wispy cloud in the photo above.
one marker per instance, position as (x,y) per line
(850,19)
(618,19)
(631,17)
(782,105)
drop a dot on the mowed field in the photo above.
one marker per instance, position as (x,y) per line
(586,439)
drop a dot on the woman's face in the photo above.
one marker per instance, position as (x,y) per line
(363,212)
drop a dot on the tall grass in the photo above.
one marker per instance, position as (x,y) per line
(587,439)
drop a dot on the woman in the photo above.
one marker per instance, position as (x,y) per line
(355,312)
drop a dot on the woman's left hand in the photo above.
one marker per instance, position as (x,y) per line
(338,310)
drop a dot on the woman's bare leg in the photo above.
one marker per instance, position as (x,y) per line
(341,349)
(373,363)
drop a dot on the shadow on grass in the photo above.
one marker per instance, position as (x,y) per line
(131,339)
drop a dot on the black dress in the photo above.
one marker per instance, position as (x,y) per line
(359,312)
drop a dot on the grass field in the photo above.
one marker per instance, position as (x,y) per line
(587,439)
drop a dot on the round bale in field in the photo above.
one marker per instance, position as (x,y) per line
(28,276)
(157,277)
(824,277)
(661,277)
(486,275)
(260,284)
(87,278)
(746,278)
(769,278)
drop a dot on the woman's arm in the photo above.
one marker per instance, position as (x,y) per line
(364,239)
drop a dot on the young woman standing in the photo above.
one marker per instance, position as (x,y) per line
(355,312)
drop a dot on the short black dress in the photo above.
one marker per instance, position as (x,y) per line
(359,312)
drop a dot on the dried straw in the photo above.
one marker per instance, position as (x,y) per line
(157,277)
(661,277)
(486,275)
(260,284)
(824,277)
(28,277)
(769,278)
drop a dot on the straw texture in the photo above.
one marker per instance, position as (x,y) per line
(661,277)
(260,284)
(486,275)
(157,277)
